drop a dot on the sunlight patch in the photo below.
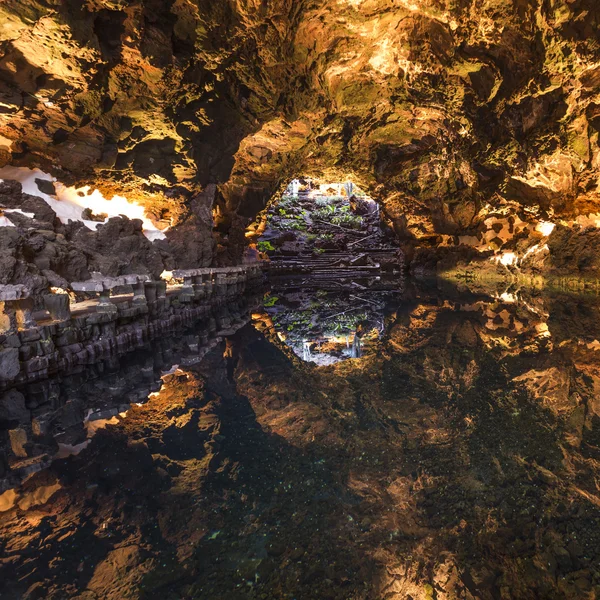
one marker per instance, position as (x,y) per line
(70,201)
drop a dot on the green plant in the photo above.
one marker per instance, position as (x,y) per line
(348,220)
(295,225)
(318,250)
(324,237)
(325,213)
(269,301)
(265,247)
(286,200)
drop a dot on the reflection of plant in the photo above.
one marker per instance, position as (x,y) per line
(318,250)
(270,301)
(265,247)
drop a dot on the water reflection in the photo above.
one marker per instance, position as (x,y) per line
(55,418)
(326,327)
(457,458)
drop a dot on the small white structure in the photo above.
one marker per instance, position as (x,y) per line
(295,187)
(306,355)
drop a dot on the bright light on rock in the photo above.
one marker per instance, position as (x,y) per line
(545,228)
(507,259)
(58,290)
(5,220)
(508,298)
(542,330)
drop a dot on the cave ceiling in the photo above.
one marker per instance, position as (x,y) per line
(441,109)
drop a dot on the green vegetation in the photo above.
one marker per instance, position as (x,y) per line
(325,213)
(324,237)
(338,215)
(348,220)
(270,301)
(265,247)
(328,200)
(341,216)
(296,225)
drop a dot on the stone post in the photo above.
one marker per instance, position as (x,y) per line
(139,292)
(187,291)
(223,319)
(104,304)
(221,284)
(24,313)
(150,291)
(59,306)
(162,302)
(198,287)
(208,284)
(228,277)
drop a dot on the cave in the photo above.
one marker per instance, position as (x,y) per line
(299,299)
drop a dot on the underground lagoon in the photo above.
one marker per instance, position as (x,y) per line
(452,453)
(300,299)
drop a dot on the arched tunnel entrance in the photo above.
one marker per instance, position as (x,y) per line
(333,266)
(329,234)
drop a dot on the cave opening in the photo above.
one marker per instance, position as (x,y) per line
(330,231)
(333,264)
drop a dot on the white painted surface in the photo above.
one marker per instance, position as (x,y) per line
(68,204)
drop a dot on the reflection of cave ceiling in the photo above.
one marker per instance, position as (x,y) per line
(443,109)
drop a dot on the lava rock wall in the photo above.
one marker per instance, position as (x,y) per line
(447,112)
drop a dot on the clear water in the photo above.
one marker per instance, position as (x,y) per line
(458,457)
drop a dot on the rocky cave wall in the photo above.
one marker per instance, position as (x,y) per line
(473,122)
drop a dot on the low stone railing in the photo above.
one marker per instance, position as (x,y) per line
(35,345)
